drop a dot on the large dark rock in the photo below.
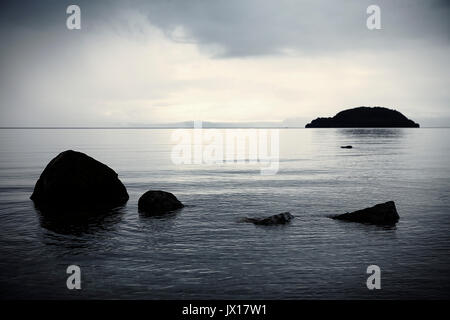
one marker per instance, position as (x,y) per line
(381,214)
(74,182)
(157,202)
(365,117)
(281,218)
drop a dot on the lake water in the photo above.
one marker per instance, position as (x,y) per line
(202,251)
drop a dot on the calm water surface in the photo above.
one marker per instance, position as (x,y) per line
(202,251)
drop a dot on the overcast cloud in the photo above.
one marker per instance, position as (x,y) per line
(248,60)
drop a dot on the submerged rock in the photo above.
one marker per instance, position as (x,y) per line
(281,218)
(74,182)
(382,214)
(346,147)
(158,202)
(365,117)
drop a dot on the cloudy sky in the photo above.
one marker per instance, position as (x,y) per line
(155,61)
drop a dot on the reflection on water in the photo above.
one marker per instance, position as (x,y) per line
(384,226)
(369,133)
(78,225)
(365,134)
(158,223)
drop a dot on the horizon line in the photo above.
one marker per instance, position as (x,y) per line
(218,127)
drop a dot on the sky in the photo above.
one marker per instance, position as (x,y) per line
(155,61)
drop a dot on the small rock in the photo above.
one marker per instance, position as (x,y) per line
(381,214)
(281,218)
(346,147)
(156,202)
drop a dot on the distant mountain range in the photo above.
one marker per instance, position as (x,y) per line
(288,123)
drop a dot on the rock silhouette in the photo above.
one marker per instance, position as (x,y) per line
(346,147)
(281,218)
(155,202)
(365,117)
(381,214)
(73,182)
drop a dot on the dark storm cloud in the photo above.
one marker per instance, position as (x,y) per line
(257,27)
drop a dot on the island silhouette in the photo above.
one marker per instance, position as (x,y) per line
(365,117)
